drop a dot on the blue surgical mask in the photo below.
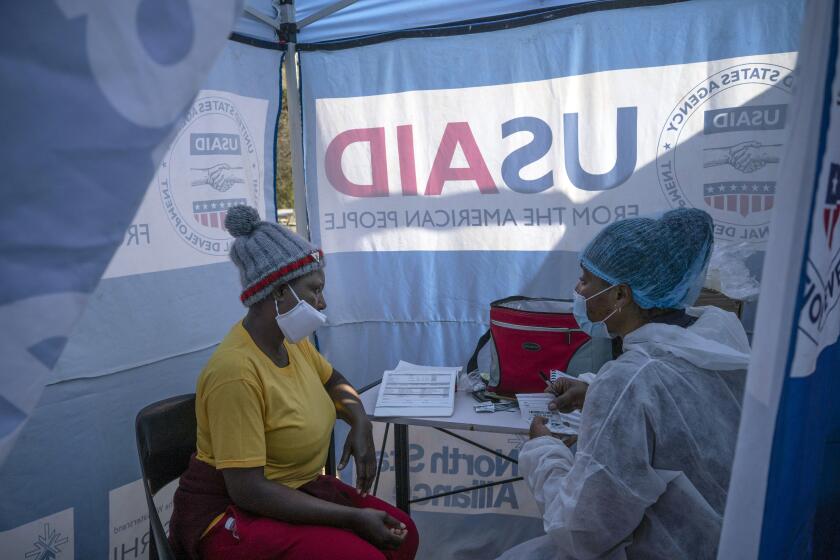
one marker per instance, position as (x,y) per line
(597,329)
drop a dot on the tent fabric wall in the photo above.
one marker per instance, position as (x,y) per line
(159,276)
(149,327)
(400,291)
(460,277)
(787,463)
(92,94)
(74,473)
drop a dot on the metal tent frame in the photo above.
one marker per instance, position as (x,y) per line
(287,28)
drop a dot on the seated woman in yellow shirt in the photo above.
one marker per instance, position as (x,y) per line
(266,404)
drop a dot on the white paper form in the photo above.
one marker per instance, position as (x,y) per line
(403,366)
(411,390)
(536,404)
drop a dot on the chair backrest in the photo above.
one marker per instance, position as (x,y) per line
(166,432)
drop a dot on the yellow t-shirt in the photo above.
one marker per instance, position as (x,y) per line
(252,413)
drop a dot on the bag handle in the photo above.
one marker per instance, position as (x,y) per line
(472,364)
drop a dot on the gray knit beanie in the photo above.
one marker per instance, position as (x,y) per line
(267,254)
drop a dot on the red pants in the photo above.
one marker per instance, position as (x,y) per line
(263,538)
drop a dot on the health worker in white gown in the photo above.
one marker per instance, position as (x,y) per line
(654,454)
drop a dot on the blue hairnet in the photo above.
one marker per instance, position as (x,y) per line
(662,260)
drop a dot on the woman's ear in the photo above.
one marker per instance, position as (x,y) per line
(623,295)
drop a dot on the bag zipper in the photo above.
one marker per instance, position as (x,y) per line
(531,328)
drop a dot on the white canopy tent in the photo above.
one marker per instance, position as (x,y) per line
(579,92)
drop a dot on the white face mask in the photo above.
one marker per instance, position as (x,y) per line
(300,321)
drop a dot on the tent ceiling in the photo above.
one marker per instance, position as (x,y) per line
(368,17)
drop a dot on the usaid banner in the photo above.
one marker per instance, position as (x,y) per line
(787,463)
(819,316)
(172,267)
(215,161)
(545,165)
(446,161)
(168,294)
(445,173)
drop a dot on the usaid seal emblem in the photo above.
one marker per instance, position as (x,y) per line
(721,145)
(822,296)
(211,165)
(822,284)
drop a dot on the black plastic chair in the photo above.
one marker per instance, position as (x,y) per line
(166,432)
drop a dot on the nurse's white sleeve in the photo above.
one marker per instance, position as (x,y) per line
(540,460)
(592,501)
(587,377)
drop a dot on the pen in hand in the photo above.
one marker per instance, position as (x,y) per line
(548,383)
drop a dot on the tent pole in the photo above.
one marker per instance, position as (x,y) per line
(287,17)
(285,23)
(296,140)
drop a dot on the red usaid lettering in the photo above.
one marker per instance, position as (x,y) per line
(379,170)
(405,147)
(459,133)
(456,134)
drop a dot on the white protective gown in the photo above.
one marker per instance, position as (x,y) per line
(655,450)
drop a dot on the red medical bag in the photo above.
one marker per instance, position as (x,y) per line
(533,335)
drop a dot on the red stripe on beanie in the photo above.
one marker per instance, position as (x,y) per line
(280,272)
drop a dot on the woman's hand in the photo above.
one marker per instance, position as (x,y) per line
(379,529)
(539,428)
(359,444)
(570,394)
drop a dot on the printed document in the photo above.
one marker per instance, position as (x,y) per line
(536,404)
(412,390)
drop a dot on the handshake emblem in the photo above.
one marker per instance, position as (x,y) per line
(746,157)
(220,176)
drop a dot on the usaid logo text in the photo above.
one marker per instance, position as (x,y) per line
(214,143)
(757,117)
(459,136)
